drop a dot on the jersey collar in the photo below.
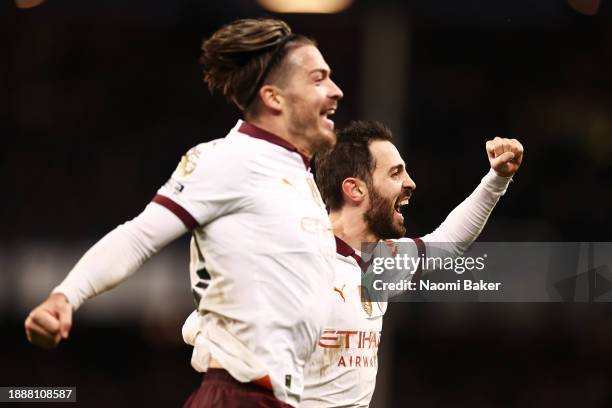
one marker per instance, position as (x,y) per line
(259,133)
(345,249)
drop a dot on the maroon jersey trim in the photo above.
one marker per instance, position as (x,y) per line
(177,210)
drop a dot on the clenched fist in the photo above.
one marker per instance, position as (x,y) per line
(49,322)
(505,155)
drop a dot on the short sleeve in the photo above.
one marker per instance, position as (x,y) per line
(209,181)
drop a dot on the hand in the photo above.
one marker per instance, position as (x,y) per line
(49,322)
(505,156)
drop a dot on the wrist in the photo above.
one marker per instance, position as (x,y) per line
(60,296)
(495,182)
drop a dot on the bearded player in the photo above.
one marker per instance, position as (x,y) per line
(262,250)
(364,182)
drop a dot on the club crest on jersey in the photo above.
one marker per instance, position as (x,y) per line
(366,300)
(188,162)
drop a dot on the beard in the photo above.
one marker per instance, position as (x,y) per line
(380,217)
(307,124)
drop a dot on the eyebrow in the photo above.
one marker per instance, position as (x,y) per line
(323,71)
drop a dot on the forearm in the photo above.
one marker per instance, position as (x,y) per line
(463,225)
(116,256)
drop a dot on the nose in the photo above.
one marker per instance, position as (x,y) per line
(409,183)
(335,92)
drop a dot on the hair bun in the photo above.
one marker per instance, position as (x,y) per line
(233,48)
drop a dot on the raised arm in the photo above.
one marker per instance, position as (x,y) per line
(463,225)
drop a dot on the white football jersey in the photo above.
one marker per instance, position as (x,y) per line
(262,256)
(342,370)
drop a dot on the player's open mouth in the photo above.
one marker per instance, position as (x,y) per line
(326,114)
(400,203)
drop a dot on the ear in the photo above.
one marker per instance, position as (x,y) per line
(271,97)
(354,190)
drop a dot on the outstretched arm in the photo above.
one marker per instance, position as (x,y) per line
(109,262)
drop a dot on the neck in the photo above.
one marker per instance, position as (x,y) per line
(349,225)
(276,126)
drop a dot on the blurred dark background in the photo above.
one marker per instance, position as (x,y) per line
(99,100)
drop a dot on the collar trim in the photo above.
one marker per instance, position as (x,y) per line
(343,248)
(251,130)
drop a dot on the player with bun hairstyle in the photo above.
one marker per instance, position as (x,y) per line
(262,250)
(272,75)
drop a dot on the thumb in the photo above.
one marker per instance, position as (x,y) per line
(64,315)
(65,318)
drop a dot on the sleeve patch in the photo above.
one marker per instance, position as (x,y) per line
(188,162)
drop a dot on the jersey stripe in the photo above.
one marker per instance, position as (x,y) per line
(177,210)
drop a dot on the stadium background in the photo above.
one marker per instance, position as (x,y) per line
(101,98)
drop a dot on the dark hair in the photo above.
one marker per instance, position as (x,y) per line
(350,157)
(241,55)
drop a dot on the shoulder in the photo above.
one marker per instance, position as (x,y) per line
(219,156)
(218,149)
